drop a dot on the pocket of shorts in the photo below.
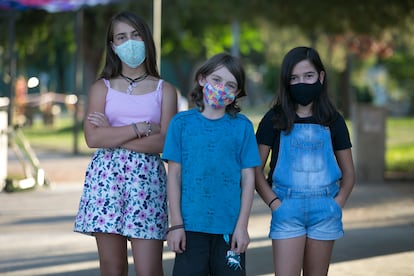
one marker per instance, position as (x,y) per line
(336,204)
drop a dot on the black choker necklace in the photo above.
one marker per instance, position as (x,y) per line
(133,82)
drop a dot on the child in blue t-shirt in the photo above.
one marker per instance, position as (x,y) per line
(211,152)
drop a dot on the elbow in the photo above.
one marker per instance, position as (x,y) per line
(96,139)
(91,143)
(349,179)
(93,140)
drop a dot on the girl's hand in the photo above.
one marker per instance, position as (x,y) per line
(98,119)
(275,205)
(176,240)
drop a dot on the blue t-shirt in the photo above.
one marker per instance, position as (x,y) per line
(212,154)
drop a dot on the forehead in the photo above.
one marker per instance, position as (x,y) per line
(224,74)
(304,66)
(122,27)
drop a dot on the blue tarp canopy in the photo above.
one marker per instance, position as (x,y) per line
(51,5)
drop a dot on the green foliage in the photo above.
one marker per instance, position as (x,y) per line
(400,145)
(399,158)
(220,39)
(193,30)
(335,17)
(48,37)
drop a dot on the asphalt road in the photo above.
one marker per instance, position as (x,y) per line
(36,235)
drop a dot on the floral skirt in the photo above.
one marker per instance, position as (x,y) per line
(124,193)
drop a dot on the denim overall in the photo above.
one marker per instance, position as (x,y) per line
(306,181)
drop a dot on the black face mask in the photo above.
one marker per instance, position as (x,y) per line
(305,93)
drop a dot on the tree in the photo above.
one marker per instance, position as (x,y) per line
(193,30)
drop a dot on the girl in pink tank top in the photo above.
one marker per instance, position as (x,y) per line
(124,195)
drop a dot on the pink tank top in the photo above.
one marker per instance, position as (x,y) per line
(124,109)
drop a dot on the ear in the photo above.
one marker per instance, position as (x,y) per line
(322,76)
(201,80)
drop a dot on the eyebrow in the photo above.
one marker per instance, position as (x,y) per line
(118,34)
(124,33)
(217,76)
(306,73)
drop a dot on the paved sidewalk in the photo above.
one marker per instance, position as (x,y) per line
(36,235)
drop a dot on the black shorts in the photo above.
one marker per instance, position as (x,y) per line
(207,254)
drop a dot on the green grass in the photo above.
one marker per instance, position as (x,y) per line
(399,154)
(56,138)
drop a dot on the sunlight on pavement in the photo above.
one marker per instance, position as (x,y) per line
(37,239)
(399,264)
(362,267)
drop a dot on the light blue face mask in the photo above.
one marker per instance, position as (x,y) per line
(131,52)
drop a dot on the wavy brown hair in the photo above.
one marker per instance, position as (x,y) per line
(212,64)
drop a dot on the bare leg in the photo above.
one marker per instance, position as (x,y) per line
(147,257)
(288,256)
(317,257)
(112,249)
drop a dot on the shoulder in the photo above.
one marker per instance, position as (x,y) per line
(100,83)
(242,118)
(168,87)
(186,115)
(338,120)
(98,86)
(269,115)
(272,111)
(168,91)
(267,119)
(340,134)
(267,133)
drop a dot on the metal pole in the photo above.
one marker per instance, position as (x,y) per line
(235,30)
(12,66)
(157,7)
(78,76)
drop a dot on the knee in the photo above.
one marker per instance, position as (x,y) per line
(114,268)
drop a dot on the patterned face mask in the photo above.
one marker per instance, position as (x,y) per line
(131,52)
(218,96)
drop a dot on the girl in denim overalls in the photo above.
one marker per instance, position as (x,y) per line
(311,169)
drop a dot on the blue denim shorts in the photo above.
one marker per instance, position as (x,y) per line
(311,212)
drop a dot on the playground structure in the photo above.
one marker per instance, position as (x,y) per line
(48,105)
